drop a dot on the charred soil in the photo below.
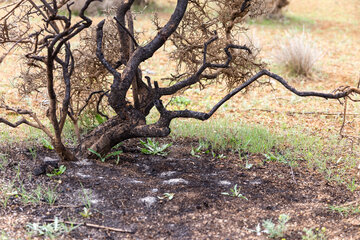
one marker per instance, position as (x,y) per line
(177,197)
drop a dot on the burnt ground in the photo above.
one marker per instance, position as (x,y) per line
(125,196)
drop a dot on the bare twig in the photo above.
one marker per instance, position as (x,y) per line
(122,230)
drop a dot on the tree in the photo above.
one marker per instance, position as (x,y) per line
(76,78)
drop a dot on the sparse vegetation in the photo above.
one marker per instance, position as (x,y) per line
(152,147)
(276,230)
(235,192)
(103,158)
(49,230)
(314,234)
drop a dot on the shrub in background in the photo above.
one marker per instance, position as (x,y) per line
(298,53)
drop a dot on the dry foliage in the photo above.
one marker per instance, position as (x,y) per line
(223,18)
(298,53)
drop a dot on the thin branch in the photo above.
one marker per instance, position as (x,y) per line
(122,230)
(88,100)
(167,116)
(127,31)
(195,78)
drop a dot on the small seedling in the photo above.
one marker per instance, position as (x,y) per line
(57,171)
(168,196)
(33,153)
(194,151)
(235,192)
(154,148)
(317,234)
(103,158)
(86,213)
(47,144)
(276,230)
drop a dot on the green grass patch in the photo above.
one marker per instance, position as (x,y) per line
(225,134)
(329,156)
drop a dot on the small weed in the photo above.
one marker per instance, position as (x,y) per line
(50,230)
(248,165)
(276,230)
(57,171)
(51,195)
(86,213)
(33,153)
(317,234)
(344,210)
(47,144)
(351,185)
(168,196)
(194,151)
(154,148)
(235,192)
(103,158)
(7,191)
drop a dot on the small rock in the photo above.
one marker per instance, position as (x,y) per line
(47,166)
(135,181)
(167,174)
(84,162)
(175,181)
(149,201)
(224,182)
(154,190)
(82,175)
(255,182)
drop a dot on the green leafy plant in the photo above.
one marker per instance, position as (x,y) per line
(47,144)
(100,119)
(180,101)
(57,171)
(51,230)
(154,148)
(168,196)
(235,192)
(317,234)
(4,235)
(103,158)
(276,230)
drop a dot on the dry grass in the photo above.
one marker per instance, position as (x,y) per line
(298,53)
